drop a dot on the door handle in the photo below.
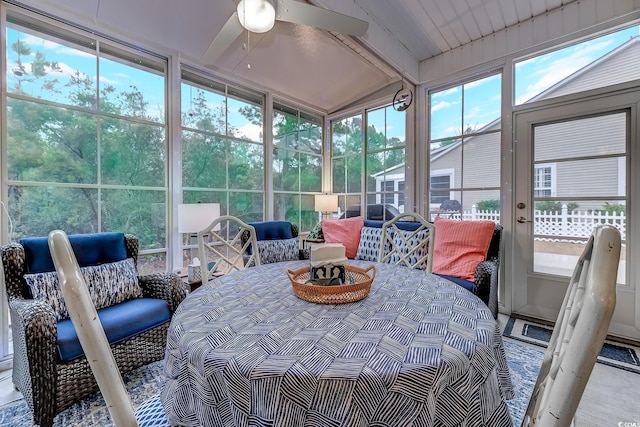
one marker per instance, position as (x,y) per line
(522,220)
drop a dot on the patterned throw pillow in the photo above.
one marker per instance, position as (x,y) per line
(404,240)
(278,250)
(108,284)
(369,246)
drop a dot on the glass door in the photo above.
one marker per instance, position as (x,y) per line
(572,172)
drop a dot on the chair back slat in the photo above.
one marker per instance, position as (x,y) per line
(579,333)
(90,332)
(222,242)
(410,248)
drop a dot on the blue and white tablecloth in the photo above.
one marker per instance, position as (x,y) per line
(243,350)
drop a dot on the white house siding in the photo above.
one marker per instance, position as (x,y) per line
(482,161)
(586,137)
(578,179)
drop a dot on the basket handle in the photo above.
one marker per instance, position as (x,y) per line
(371,267)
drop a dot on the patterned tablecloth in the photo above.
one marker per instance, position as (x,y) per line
(243,350)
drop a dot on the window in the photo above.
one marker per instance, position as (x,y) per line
(465,133)
(385,156)
(559,69)
(86,137)
(222,148)
(346,161)
(380,162)
(297,165)
(544,181)
(440,185)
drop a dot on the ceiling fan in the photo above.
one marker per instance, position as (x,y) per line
(259,16)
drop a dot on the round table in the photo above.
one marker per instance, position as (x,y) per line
(243,350)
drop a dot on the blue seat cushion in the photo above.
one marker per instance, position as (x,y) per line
(467,284)
(120,321)
(90,249)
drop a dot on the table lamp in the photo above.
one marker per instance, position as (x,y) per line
(194,217)
(326,203)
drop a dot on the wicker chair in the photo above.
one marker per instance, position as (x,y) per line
(49,385)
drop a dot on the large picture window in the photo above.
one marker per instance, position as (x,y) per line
(86,137)
(222,147)
(465,134)
(297,165)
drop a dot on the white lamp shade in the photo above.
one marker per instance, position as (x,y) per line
(257,16)
(194,217)
(326,202)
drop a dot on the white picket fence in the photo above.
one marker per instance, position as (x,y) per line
(563,226)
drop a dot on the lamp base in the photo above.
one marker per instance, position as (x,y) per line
(327,215)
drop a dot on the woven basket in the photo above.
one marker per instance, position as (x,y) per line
(338,294)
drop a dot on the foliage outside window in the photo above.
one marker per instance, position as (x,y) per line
(86,138)
(385,157)
(464,140)
(222,147)
(297,165)
(347,161)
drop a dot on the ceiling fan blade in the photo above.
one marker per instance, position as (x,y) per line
(229,32)
(306,14)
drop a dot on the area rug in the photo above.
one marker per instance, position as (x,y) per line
(145,383)
(142,384)
(613,353)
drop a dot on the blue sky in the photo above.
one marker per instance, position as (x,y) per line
(533,76)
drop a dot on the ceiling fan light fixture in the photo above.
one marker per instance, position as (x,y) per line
(257,16)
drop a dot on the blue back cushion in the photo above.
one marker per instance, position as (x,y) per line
(90,249)
(402,225)
(272,230)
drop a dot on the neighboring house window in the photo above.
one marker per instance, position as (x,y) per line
(388,195)
(86,147)
(464,137)
(297,165)
(544,181)
(440,185)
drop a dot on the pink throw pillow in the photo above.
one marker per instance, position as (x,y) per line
(460,246)
(345,231)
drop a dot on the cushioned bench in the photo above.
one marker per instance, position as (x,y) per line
(485,282)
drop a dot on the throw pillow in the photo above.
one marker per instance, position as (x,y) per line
(278,250)
(108,284)
(345,231)
(460,246)
(369,246)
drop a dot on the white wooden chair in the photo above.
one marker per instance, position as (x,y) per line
(579,333)
(413,249)
(222,241)
(94,342)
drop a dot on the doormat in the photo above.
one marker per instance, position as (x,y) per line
(618,355)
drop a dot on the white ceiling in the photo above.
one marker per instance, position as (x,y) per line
(324,70)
